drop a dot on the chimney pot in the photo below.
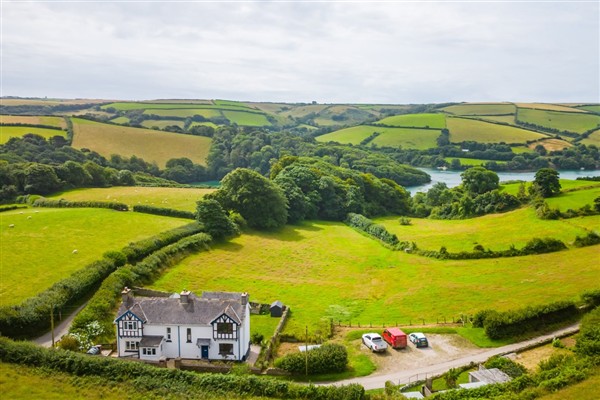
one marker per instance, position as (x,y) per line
(184,296)
(244,299)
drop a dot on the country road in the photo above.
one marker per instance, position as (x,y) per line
(375,381)
(60,329)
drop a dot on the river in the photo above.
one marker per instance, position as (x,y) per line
(452,178)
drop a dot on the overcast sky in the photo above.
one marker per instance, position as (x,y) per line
(331,52)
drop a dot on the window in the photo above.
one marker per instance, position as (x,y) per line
(168,334)
(224,328)
(225,349)
(149,351)
(189,335)
(131,345)
(130,325)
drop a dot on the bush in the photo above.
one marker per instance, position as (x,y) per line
(590,239)
(591,298)
(167,212)
(506,365)
(545,245)
(324,359)
(588,342)
(62,203)
(364,224)
(256,338)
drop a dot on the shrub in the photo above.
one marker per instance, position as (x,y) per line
(588,342)
(256,338)
(545,245)
(506,365)
(590,239)
(405,221)
(69,342)
(591,298)
(324,359)
(167,212)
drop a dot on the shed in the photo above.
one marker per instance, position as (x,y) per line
(276,309)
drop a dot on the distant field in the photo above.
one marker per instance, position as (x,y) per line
(551,144)
(471,161)
(246,118)
(120,120)
(549,107)
(7,132)
(328,270)
(59,122)
(301,111)
(575,200)
(408,138)
(521,149)
(572,122)
(326,121)
(151,145)
(230,103)
(416,120)
(184,112)
(593,138)
(127,106)
(480,109)
(162,123)
(48,102)
(176,198)
(353,135)
(462,129)
(566,184)
(508,119)
(594,108)
(39,250)
(211,124)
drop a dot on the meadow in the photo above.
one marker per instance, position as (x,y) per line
(38,251)
(7,132)
(593,138)
(151,145)
(507,119)
(416,120)
(572,122)
(327,270)
(176,198)
(471,161)
(246,118)
(161,123)
(464,129)
(184,112)
(480,109)
(592,108)
(58,122)
(549,107)
(393,137)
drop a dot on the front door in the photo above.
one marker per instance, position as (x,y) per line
(204,350)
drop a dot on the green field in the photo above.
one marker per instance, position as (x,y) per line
(58,122)
(464,129)
(408,138)
(162,123)
(211,124)
(120,120)
(175,198)
(593,108)
(565,184)
(230,103)
(507,119)
(353,135)
(38,251)
(572,122)
(521,149)
(326,269)
(575,200)
(471,161)
(550,107)
(184,112)
(246,118)
(151,145)
(593,138)
(416,120)
(7,132)
(480,109)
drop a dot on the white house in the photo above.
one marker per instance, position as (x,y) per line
(215,326)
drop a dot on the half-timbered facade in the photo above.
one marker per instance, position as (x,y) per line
(215,326)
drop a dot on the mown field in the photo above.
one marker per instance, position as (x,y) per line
(175,198)
(7,132)
(151,145)
(246,118)
(462,129)
(39,251)
(416,120)
(551,144)
(572,122)
(480,109)
(328,270)
(393,137)
(59,122)
(549,107)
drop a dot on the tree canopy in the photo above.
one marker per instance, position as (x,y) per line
(546,182)
(478,180)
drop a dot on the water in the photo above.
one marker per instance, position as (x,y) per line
(452,178)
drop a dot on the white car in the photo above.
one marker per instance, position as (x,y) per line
(374,342)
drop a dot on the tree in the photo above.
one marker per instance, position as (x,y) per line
(215,220)
(478,180)
(40,179)
(546,181)
(262,203)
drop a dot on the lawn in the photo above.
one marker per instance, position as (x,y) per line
(246,118)
(549,107)
(175,198)
(327,270)
(480,109)
(464,129)
(416,120)
(38,251)
(563,121)
(58,122)
(393,137)
(151,145)
(7,132)
(264,325)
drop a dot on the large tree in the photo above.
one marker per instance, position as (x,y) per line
(478,180)
(262,203)
(546,182)
(215,220)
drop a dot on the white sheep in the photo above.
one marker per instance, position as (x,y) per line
(11,226)
(29,217)
(36,211)
(75,251)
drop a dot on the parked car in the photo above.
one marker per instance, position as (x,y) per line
(94,350)
(395,338)
(418,339)
(374,342)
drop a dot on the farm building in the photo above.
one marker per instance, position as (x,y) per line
(276,309)
(215,326)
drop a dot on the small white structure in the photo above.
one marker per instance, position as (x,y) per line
(215,326)
(488,376)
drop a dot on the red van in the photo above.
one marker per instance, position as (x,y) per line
(395,337)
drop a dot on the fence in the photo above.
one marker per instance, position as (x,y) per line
(416,322)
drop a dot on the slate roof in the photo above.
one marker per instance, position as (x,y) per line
(198,310)
(151,341)
(277,303)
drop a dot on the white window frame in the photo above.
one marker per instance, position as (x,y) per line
(131,345)
(168,333)
(221,352)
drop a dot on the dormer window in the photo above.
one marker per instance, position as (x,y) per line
(224,328)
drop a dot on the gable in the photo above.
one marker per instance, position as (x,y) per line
(224,318)
(128,316)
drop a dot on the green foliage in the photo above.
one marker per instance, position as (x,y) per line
(215,220)
(167,212)
(366,225)
(479,180)
(543,245)
(506,365)
(404,221)
(588,341)
(69,342)
(590,239)
(326,358)
(62,203)
(591,298)
(547,182)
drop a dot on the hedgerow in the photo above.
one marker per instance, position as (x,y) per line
(364,224)
(62,203)
(167,212)
(327,358)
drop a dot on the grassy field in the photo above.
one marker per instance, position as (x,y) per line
(246,118)
(302,111)
(38,251)
(120,120)
(471,161)
(211,124)
(7,132)
(508,119)
(575,200)
(462,129)
(416,120)
(162,123)
(328,270)
(480,109)
(353,135)
(151,145)
(521,149)
(572,122)
(549,107)
(394,137)
(593,108)
(59,122)
(175,198)
(551,144)
(593,138)
(184,112)
(565,184)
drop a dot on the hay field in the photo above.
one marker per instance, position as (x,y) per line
(37,252)
(462,129)
(508,119)
(7,132)
(481,109)
(572,122)
(416,120)
(551,144)
(549,107)
(151,145)
(59,122)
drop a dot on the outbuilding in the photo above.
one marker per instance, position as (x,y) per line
(276,309)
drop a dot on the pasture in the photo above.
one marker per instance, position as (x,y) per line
(7,132)
(58,122)
(176,198)
(593,138)
(576,199)
(550,107)
(184,112)
(408,138)
(151,145)
(327,270)
(162,123)
(38,251)
(592,108)
(416,120)
(572,122)
(463,129)
(246,118)
(353,135)
(471,161)
(507,119)
(480,109)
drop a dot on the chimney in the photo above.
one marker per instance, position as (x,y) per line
(244,299)
(126,296)
(184,296)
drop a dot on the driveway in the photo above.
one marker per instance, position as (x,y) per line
(60,329)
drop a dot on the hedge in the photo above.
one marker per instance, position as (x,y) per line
(588,341)
(167,212)
(170,382)
(324,359)
(364,224)
(62,203)
(10,208)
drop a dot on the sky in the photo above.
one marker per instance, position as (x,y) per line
(392,52)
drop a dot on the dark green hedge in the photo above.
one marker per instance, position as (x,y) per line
(168,212)
(62,203)
(588,341)
(10,208)
(169,381)
(364,224)
(327,358)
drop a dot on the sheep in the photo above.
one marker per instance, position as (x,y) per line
(11,226)
(36,211)
(29,217)
(75,251)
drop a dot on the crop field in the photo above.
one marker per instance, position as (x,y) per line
(38,251)
(7,132)
(593,138)
(407,138)
(162,123)
(471,161)
(480,109)
(593,108)
(551,144)
(175,198)
(58,122)
(184,112)
(462,129)
(572,122)
(151,145)
(328,270)
(549,107)
(247,118)
(416,120)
